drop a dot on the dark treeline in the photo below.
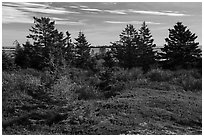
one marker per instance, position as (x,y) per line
(52,50)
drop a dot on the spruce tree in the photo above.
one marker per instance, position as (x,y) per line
(181,50)
(24,56)
(146,53)
(47,50)
(69,49)
(125,50)
(109,60)
(82,52)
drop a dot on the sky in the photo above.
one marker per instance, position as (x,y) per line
(101,22)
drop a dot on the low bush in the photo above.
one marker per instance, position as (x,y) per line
(188,82)
(159,75)
(19,90)
(13,81)
(30,71)
(136,73)
(48,79)
(193,73)
(121,75)
(63,89)
(127,75)
(191,84)
(114,89)
(7,62)
(143,82)
(86,92)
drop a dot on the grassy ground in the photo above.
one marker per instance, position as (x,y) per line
(145,105)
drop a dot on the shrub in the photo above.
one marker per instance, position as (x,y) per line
(194,73)
(86,92)
(19,90)
(127,75)
(48,79)
(94,81)
(136,73)
(63,89)
(143,82)
(79,75)
(121,75)
(114,89)
(7,62)
(159,75)
(188,82)
(30,71)
(14,81)
(192,84)
(160,86)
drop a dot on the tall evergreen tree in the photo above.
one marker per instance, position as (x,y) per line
(180,49)
(24,55)
(125,50)
(69,49)
(47,44)
(146,53)
(82,52)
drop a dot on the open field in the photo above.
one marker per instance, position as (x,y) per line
(164,104)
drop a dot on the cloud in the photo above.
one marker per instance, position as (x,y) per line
(116,11)
(167,13)
(48,10)
(98,10)
(30,4)
(43,8)
(10,4)
(75,7)
(83,6)
(155,23)
(117,22)
(109,3)
(58,19)
(11,15)
(63,21)
(22,12)
(131,22)
(69,22)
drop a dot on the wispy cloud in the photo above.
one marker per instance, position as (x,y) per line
(83,6)
(109,3)
(43,8)
(155,23)
(119,22)
(69,22)
(30,4)
(131,22)
(11,15)
(74,7)
(59,19)
(127,11)
(48,10)
(122,12)
(98,10)
(167,13)
(22,12)
(63,21)
(9,4)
